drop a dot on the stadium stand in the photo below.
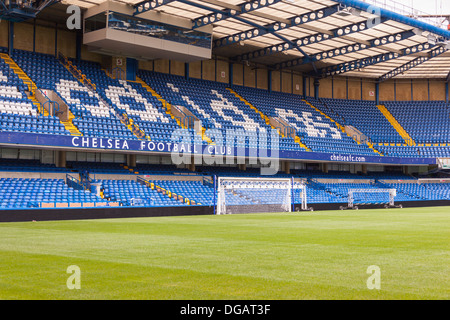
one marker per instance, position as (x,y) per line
(44,193)
(318,132)
(95,100)
(92,117)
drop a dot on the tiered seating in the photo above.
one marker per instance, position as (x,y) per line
(316,193)
(193,190)
(426,122)
(425,191)
(92,117)
(156,123)
(340,192)
(129,193)
(17,112)
(32,193)
(435,151)
(253,196)
(316,131)
(212,104)
(131,98)
(364,116)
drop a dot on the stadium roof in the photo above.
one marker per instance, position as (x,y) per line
(318,37)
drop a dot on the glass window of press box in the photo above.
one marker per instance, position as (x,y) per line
(148,28)
(96,22)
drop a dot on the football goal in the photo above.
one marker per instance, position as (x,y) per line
(371,196)
(257,195)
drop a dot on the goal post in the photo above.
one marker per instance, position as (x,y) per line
(371,196)
(256,195)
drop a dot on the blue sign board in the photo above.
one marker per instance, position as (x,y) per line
(92,143)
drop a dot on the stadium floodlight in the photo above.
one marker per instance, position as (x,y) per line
(345,11)
(257,195)
(371,196)
(444,44)
(432,39)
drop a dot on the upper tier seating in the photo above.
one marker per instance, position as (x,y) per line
(17,112)
(215,106)
(425,121)
(365,116)
(145,110)
(97,114)
(92,117)
(315,130)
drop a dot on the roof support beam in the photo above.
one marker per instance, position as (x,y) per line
(413,63)
(383,13)
(378,42)
(148,5)
(277,26)
(369,61)
(219,15)
(308,40)
(249,22)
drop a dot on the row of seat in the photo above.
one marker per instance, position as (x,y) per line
(215,106)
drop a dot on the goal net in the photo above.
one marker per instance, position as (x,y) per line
(371,196)
(254,195)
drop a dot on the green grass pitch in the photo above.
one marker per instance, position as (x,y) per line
(280,256)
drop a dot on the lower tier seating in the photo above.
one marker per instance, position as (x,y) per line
(35,193)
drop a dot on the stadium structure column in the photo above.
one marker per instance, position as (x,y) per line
(230,73)
(191,165)
(406,170)
(364,169)
(186,70)
(117,66)
(316,88)
(377,93)
(242,166)
(286,165)
(324,167)
(61,159)
(446,92)
(304,86)
(269,80)
(78,44)
(131,67)
(11,38)
(131,160)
